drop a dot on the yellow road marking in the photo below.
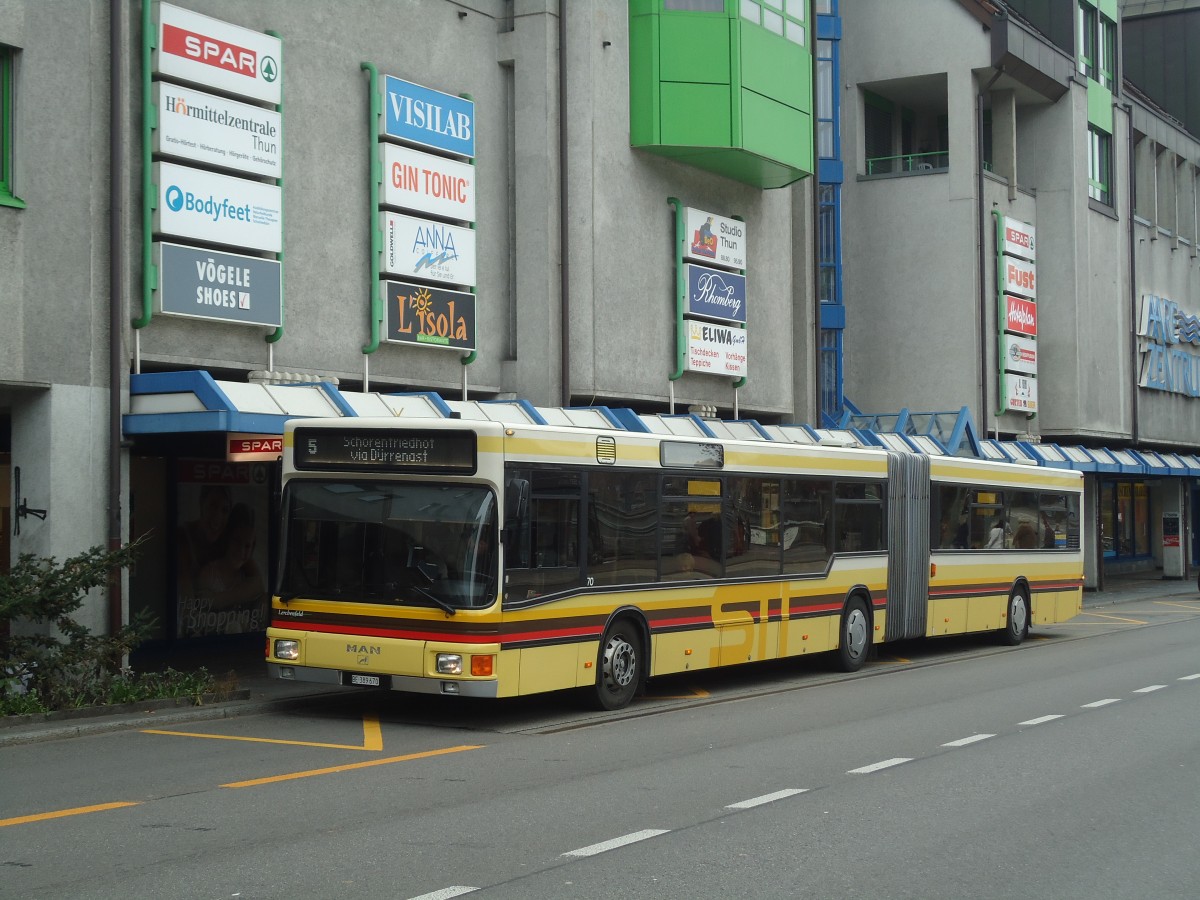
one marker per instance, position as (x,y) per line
(1103,616)
(888,660)
(372,737)
(63,813)
(1182,604)
(254,782)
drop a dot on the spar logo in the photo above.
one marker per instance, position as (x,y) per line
(217,53)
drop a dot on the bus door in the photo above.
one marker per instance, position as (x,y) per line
(908,545)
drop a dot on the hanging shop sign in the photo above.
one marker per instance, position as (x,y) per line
(1018,239)
(220,209)
(424,183)
(214,131)
(429,316)
(1020,316)
(1020,355)
(226,287)
(421,248)
(716,349)
(201,50)
(715,294)
(714,239)
(1020,394)
(1019,277)
(421,115)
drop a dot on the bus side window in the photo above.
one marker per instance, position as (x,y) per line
(544,556)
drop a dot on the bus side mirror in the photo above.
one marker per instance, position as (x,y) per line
(516,500)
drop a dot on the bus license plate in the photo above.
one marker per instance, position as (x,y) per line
(365,680)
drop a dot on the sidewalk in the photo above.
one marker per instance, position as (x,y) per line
(242,664)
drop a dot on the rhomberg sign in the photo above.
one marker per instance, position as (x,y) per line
(429,316)
(206,51)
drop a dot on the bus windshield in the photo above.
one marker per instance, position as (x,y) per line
(403,543)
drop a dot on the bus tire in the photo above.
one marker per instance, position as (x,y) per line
(620,665)
(1016,624)
(854,641)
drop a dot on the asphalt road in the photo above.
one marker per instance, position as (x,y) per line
(1067,768)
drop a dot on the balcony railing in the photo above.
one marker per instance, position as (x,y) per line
(938,161)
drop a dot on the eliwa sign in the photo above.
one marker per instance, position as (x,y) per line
(1016,297)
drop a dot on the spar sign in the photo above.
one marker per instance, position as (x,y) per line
(208,52)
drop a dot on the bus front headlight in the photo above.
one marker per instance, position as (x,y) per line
(287,649)
(449,664)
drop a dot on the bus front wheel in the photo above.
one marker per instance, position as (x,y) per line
(1016,625)
(855,640)
(620,665)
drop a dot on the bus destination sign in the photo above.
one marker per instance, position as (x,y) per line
(370,449)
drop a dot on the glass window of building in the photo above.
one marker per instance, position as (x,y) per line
(1099,165)
(782,17)
(1106,45)
(6,126)
(1087,39)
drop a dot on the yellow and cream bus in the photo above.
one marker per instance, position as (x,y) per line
(485,559)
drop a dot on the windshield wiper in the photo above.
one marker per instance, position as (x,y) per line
(435,600)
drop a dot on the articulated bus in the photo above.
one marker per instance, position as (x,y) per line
(484,559)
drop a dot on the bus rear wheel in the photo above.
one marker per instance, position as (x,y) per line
(620,666)
(1016,625)
(855,636)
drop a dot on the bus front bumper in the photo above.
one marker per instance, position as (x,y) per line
(407,683)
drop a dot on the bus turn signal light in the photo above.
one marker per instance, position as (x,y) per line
(481,665)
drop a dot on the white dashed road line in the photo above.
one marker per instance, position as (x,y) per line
(1149,689)
(613,844)
(875,767)
(973,739)
(1039,720)
(767,798)
(1100,703)
(446,893)
(1190,677)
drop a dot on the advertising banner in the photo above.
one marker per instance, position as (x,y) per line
(253,447)
(715,239)
(1020,316)
(424,183)
(429,316)
(220,209)
(1020,355)
(221,547)
(715,294)
(208,52)
(716,349)
(214,131)
(1020,393)
(227,287)
(419,248)
(421,115)
(1019,277)
(1018,238)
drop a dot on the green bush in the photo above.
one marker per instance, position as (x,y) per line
(68,666)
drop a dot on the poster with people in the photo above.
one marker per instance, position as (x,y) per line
(221,547)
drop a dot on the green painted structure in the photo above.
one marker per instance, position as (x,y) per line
(714,90)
